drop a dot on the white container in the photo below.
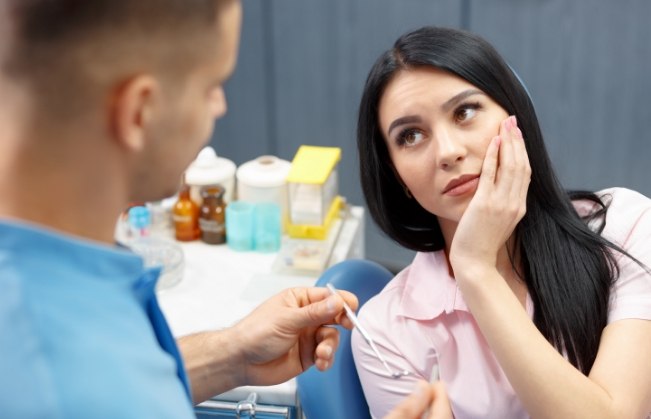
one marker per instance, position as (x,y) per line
(209,169)
(264,180)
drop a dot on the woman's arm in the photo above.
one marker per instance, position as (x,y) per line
(619,384)
(382,392)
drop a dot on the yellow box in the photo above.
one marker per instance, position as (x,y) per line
(313,188)
(320,231)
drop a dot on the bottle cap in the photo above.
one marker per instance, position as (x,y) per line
(139,217)
(212,190)
(208,169)
(264,172)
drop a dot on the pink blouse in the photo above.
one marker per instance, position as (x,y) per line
(421,323)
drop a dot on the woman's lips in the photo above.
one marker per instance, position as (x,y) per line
(461,185)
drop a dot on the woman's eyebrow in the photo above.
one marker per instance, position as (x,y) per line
(449,104)
(453,101)
(409,119)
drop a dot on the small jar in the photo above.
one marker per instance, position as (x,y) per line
(185,214)
(211,215)
(264,180)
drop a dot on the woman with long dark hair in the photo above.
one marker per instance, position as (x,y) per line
(524,299)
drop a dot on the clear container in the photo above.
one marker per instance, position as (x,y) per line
(311,202)
(313,186)
(267,227)
(162,253)
(240,225)
(162,217)
(307,256)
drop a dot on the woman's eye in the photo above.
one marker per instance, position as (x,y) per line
(466,112)
(409,137)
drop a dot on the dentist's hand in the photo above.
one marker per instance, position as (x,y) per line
(498,204)
(280,339)
(290,332)
(426,396)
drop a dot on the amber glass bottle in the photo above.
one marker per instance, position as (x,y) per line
(211,215)
(186,216)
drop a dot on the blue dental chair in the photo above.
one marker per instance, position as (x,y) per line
(337,393)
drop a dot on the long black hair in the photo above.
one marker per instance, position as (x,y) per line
(567,267)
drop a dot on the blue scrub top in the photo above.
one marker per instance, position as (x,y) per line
(81,332)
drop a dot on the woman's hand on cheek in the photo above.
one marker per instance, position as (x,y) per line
(499,202)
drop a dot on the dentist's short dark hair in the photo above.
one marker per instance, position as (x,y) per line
(63,49)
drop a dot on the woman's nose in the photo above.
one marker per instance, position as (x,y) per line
(449,149)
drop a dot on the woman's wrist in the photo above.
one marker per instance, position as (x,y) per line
(471,269)
(476,279)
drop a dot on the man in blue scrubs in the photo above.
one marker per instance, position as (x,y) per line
(102,103)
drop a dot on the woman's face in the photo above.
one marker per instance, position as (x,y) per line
(437,128)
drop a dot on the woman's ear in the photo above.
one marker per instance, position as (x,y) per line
(132,110)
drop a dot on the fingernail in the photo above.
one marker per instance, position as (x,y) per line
(331,303)
(514,121)
(326,365)
(328,351)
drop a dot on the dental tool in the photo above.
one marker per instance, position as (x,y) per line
(353,318)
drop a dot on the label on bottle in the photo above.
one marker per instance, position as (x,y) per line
(211,226)
(212,231)
(178,218)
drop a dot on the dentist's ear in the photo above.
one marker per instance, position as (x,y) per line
(131,111)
